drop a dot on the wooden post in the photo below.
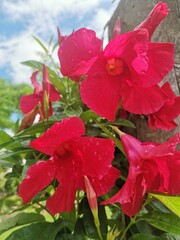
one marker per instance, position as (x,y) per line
(132,13)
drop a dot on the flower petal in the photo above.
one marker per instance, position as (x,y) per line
(131,194)
(139,100)
(63,198)
(36,85)
(102,186)
(101,91)
(68,129)
(97,155)
(29,102)
(77,53)
(38,176)
(161,61)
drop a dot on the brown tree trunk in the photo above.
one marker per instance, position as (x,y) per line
(132,13)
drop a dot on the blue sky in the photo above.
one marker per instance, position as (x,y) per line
(20,19)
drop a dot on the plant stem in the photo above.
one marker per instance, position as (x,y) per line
(97,224)
(110,135)
(132,221)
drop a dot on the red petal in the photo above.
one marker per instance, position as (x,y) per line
(168,148)
(122,47)
(166,88)
(140,62)
(36,85)
(97,155)
(102,186)
(131,194)
(68,129)
(29,102)
(101,91)
(63,198)
(160,60)
(77,53)
(45,81)
(54,94)
(139,100)
(173,186)
(38,176)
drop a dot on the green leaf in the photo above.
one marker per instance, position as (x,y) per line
(36,128)
(4,137)
(33,64)
(164,221)
(70,111)
(123,122)
(171,202)
(20,219)
(41,44)
(88,115)
(143,236)
(167,236)
(6,154)
(30,232)
(52,230)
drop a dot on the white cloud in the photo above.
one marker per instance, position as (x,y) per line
(41,19)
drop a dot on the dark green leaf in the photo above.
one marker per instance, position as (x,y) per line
(88,220)
(168,236)
(123,122)
(30,232)
(79,231)
(20,219)
(143,236)
(52,230)
(164,221)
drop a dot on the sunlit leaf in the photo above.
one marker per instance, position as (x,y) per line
(30,232)
(20,219)
(171,202)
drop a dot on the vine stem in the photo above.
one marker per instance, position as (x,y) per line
(133,220)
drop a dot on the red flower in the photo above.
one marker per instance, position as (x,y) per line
(41,94)
(164,118)
(153,167)
(128,71)
(72,157)
(78,52)
(159,12)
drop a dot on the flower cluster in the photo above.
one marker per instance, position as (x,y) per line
(122,77)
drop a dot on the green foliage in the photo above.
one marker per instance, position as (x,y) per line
(10,94)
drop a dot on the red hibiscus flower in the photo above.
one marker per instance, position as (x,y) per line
(78,52)
(42,94)
(73,156)
(126,72)
(153,167)
(164,118)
